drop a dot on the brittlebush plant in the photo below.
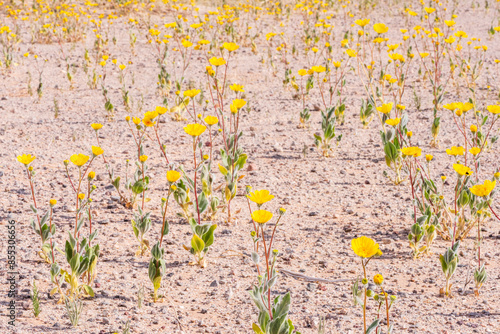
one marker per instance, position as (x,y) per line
(273,312)
(203,234)
(43,226)
(232,157)
(367,249)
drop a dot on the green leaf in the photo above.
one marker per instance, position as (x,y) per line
(283,306)
(202,202)
(88,290)
(208,237)
(257,329)
(223,170)
(372,327)
(74,263)
(197,244)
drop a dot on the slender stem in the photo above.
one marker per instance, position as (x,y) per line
(50,230)
(268,274)
(386,307)
(164,217)
(195,177)
(493,211)
(34,202)
(364,303)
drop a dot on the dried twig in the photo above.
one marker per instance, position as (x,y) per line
(299,276)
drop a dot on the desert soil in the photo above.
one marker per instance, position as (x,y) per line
(329,201)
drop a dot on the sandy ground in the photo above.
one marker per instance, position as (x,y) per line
(329,202)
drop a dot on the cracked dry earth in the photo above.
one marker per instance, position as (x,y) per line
(328,202)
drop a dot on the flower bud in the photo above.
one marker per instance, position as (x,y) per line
(53,202)
(473,128)
(378,279)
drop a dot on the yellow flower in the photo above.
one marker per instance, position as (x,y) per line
(362,22)
(409,134)
(211,120)
(230,46)
(261,216)
(186,43)
(392,47)
(385,108)
(91,175)
(380,28)
(148,122)
(143,158)
(455,150)
(25,159)
(429,10)
(462,170)
(122,67)
(161,110)
(475,150)
(378,279)
(195,129)
(239,103)
(424,54)
(449,23)
(173,176)
(494,109)
(136,120)
(96,150)
(393,121)
(483,190)
(192,93)
(318,69)
(463,107)
(473,128)
(302,72)
(96,126)
(81,196)
(127,118)
(351,53)
(102,63)
(79,159)
(364,247)
(237,88)
(53,202)
(412,151)
(217,61)
(260,196)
